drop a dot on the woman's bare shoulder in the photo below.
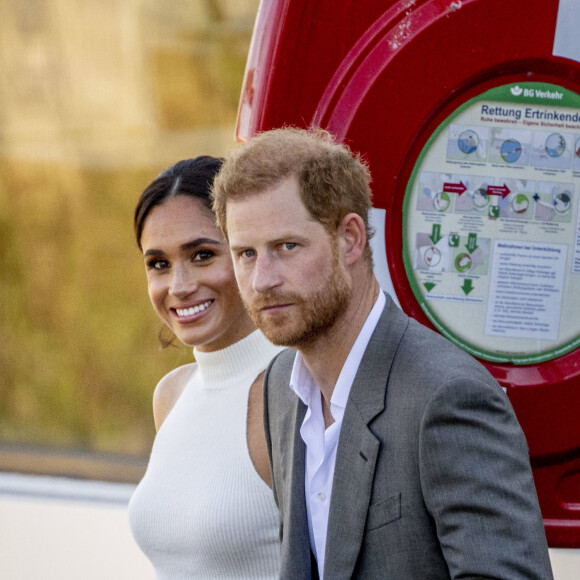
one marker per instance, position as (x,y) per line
(168,390)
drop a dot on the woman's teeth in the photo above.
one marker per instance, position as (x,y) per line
(193,310)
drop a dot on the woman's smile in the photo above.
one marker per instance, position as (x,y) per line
(192,310)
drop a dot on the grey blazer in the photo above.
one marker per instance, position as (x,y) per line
(432,478)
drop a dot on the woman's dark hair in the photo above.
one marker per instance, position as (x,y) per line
(190,177)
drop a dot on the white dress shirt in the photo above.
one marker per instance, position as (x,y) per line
(321,443)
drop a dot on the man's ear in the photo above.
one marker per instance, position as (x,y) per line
(353,235)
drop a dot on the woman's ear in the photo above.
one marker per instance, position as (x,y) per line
(353,235)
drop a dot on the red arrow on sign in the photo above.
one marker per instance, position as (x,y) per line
(454,187)
(502,190)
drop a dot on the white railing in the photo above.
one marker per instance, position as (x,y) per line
(54,528)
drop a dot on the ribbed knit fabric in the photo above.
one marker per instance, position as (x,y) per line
(201,510)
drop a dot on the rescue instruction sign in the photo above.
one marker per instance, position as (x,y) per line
(492,226)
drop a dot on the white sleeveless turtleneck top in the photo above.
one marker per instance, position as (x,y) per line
(202,510)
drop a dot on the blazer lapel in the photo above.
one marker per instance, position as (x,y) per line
(295,554)
(358,448)
(351,490)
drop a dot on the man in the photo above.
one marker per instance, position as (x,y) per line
(394,454)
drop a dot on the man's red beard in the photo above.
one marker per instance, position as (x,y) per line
(308,316)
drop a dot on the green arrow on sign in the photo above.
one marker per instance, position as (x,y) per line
(436,235)
(467,287)
(471,243)
(429,286)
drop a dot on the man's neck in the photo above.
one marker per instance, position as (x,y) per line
(326,356)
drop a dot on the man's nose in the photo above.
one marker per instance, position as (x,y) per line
(183,282)
(266,274)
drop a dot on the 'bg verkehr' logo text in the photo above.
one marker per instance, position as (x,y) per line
(536,93)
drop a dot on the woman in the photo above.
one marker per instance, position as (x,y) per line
(204,508)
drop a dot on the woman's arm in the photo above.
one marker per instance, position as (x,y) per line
(255,431)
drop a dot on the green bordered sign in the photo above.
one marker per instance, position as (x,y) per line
(491,225)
